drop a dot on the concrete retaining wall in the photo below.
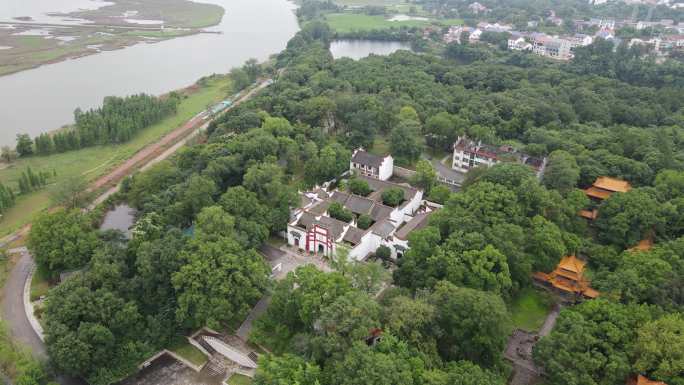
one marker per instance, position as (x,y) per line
(403,172)
(28,305)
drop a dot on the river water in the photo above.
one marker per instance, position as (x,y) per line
(358,49)
(44,98)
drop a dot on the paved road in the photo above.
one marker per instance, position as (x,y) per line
(13,307)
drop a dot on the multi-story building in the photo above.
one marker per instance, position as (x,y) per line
(469,154)
(552,47)
(371,165)
(518,43)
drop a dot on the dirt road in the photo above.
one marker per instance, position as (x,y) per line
(158,151)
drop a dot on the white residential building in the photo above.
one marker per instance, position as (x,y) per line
(312,230)
(371,165)
(552,47)
(518,43)
(579,40)
(469,154)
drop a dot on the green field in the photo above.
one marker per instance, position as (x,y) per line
(189,352)
(530,308)
(348,22)
(93,162)
(239,379)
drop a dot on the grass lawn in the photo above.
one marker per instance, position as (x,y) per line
(189,352)
(529,309)
(39,285)
(93,162)
(239,379)
(276,241)
(348,22)
(380,146)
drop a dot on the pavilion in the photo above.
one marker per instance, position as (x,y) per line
(641,380)
(568,279)
(602,189)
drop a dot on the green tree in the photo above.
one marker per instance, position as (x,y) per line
(439,194)
(405,140)
(425,177)
(364,222)
(659,349)
(337,211)
(463,373)
(485,269)
(625,218)
(387,363)
(62,240)
(442,129)
(545,244)
(286,369)
(562,171)
(8,154)
(24,145)
(591,343)
(359,187)
(71,192)
(393,196)
(474,324)
(220,282)
(348,319)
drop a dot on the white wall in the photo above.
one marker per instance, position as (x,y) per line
(386,168)
(369,243)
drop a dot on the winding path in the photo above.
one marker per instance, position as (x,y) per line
(13,311)
(13,308)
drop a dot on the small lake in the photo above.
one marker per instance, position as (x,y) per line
(358,49)
(122,218)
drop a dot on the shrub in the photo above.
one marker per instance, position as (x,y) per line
(383,252)
(393,196)
(338,212)
(364,222)
(359,187)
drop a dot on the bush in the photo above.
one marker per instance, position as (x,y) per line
(393,196)
(439,194)
(359,187)
(383,252)
(338,212)
(364,222)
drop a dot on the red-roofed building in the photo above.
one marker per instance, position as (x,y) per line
(568,279)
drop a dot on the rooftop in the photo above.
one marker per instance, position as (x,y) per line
(612,184)
(366,158)
(418,222)
(642,380)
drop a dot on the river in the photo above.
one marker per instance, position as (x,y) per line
(44,98)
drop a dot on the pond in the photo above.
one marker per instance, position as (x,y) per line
(358,49)
(122,218)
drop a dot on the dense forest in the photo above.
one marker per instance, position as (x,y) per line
(117,121)
(202,214)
